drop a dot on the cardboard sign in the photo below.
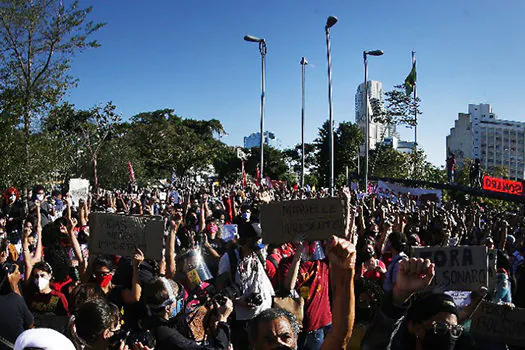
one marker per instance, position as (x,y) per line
(389,190)
(457,268)
(499,323)
(501,185)
(78,189)
(316,219)
(120,235)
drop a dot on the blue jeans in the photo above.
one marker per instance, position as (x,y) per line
(314,339)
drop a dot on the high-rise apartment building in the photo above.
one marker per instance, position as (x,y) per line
(377,132)
(496,142)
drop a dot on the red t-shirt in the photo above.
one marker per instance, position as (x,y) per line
(54,302)
(313,285)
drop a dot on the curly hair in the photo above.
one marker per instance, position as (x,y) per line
(268,316)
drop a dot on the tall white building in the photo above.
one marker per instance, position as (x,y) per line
(377,132)
(496,142)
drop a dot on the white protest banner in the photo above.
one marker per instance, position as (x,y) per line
(317,219)
(500,323)
(457,268)
(78,189)
(389,190)
(229,232)
(120,235)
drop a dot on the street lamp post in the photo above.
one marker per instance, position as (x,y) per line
(367,132)
(304,62)
(262,50)
(330,21)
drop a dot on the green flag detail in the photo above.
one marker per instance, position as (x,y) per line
(410,80)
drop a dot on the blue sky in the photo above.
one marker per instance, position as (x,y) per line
(190,56)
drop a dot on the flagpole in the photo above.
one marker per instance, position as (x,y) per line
(415,105)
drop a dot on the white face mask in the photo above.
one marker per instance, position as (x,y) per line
(12,198)
(40,197)
(42,283)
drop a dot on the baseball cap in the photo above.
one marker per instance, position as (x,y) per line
(429,305)
(250,230)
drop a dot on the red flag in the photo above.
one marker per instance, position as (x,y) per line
(131,173)
(243,175)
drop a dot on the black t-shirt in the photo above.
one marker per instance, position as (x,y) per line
(213,263)
(16,317)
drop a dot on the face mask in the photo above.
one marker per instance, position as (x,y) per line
(179,305)
(103,281)
(40,197)
(245,216)
(42,283)
(433,341)
(12,198)
(212,229)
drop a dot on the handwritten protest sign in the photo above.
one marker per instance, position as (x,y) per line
(78,189)
(317,219)
(499,323)
(457,268)
(389,190)
(120,235)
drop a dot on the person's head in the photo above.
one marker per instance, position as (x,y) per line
(163,297)
(82,294)
(11,195)
(488,242)
(397,242)
(433,321)
(103,271)
(42,274)
(273,329)
(250,235)
(212,229)
(42,338)
(96,322)
(39,192)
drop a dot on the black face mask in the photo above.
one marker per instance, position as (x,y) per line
(369,254)
(433,341)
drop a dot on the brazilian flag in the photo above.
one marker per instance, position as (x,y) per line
(411,79)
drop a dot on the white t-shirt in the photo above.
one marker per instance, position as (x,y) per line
(252,278)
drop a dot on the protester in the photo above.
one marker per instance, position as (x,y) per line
(204,293)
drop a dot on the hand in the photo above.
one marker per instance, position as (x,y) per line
(14,277)
(138,257)
(72,223)
(225,310)
(37,204)
(341,254)
(413,275)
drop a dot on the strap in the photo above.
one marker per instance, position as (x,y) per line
(7,343)
(273,261)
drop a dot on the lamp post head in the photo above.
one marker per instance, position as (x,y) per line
(375,53)
(253,39)
(304,61)
(330,21)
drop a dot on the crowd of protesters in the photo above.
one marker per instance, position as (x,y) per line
(362,291)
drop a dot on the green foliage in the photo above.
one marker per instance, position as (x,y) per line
(347,139)
(398,110)
(274,164)
(38,40)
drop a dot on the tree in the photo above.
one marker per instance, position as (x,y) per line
(399,108)
(39,38)
(274,163)
(347,139)
(83,130)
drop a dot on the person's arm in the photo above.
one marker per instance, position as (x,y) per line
(342,256)
(73,240)
(209,248)
(291,277)
(39,249)
(503,235)
(14,279)
(170,256)
(133,296)
(28,260)
(412,276)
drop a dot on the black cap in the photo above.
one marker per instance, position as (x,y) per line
(429,305)
(250,230)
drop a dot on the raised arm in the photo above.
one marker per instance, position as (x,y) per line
(39,249)
(342,256)
(170,252)
(133,296)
